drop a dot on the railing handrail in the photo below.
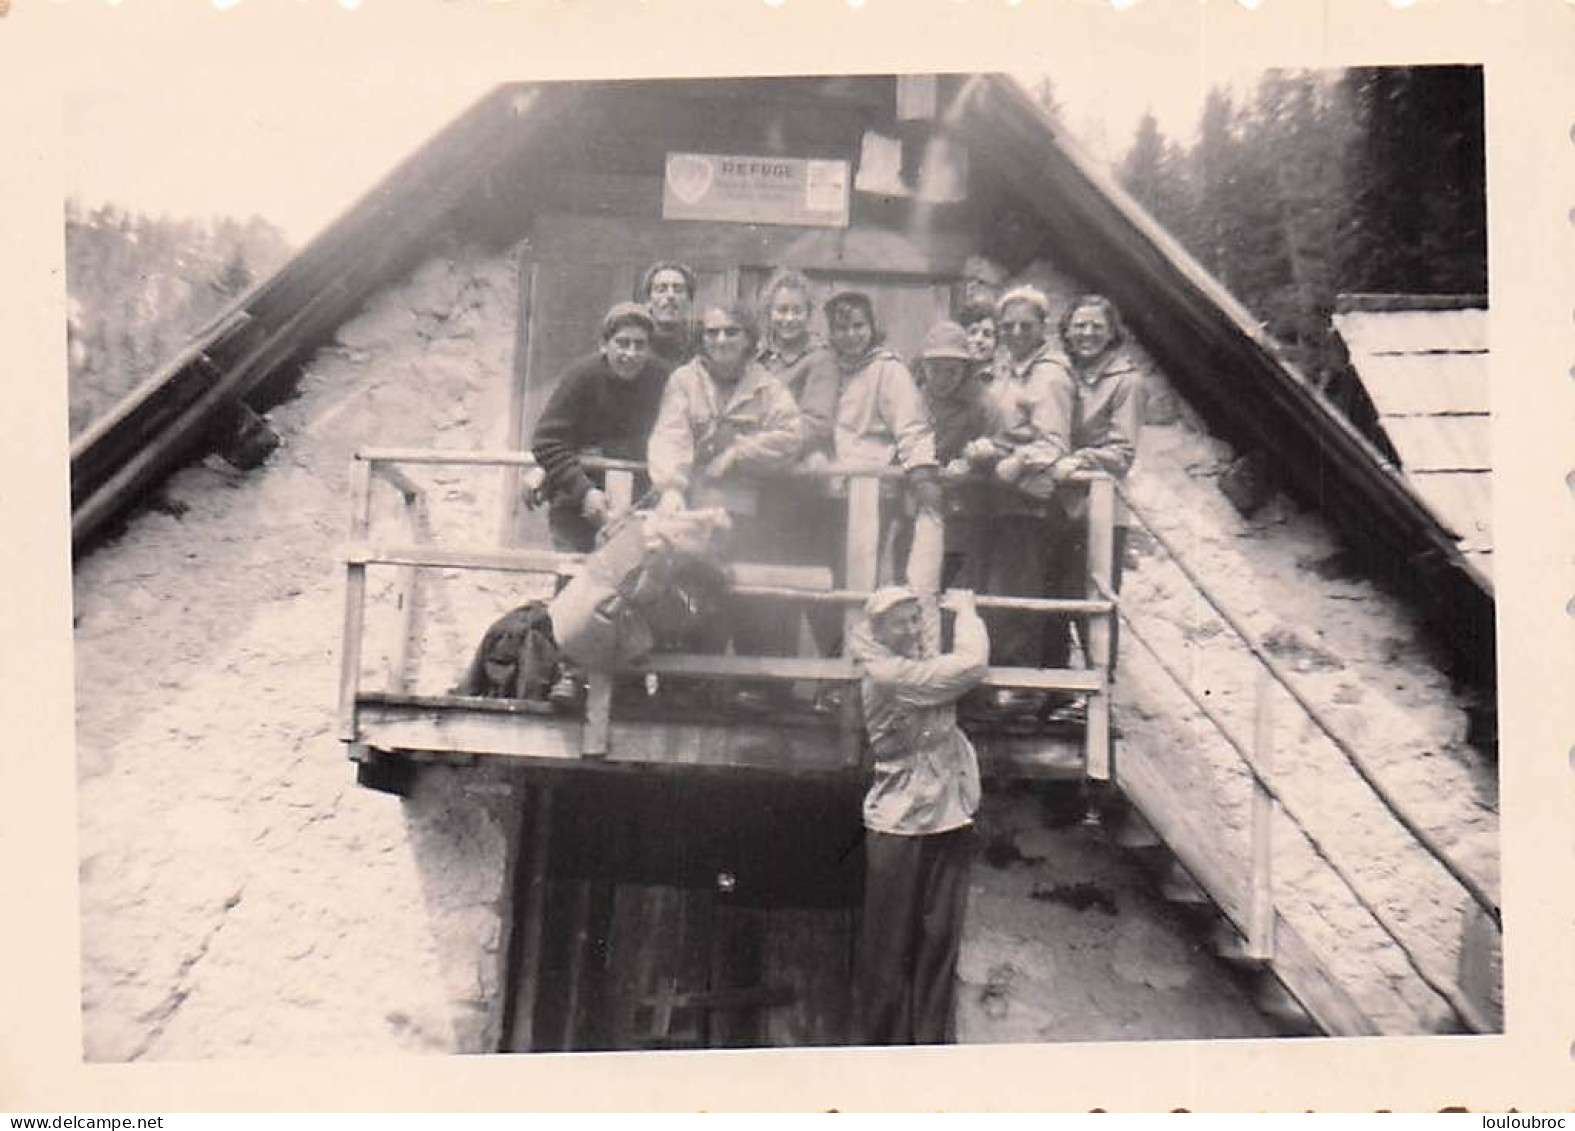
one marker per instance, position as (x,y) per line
(1446,989)
(1471,885)
(512,458)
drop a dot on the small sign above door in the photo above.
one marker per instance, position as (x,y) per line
(756,190)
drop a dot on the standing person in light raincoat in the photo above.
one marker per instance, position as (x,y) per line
(918,813)
(1107,416)
(1034,395)
(722,418)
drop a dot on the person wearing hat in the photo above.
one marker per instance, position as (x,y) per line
(668,291)
(961,412)
(918,812)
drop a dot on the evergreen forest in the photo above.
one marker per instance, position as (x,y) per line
(139,287)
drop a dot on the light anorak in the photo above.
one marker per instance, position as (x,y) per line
(926,776)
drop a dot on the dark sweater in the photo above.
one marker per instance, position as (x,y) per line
(964,416)
(591,408)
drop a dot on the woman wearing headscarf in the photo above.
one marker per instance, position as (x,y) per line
(877,419)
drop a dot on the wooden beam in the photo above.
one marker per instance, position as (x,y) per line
(504,729)
(150,456)
(514,425)
(581,238)
(528,920)
(548,742)
(1261,913)
(1100,564)
(355,604)
(407,595)
(599,684)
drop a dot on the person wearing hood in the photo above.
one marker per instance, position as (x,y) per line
(790,350)
(668,291)
(918,812)
(867,406)
(1107,415)
(722,419)
(1034,396)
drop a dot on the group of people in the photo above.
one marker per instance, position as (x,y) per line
(723,404)
(995,414)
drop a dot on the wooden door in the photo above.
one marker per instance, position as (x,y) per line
(695,914)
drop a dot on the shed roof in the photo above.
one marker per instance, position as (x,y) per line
(1424,363)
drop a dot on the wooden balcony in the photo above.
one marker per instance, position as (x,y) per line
(625,727)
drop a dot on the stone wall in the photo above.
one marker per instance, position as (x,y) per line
(240,894)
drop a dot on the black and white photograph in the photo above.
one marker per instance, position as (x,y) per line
(1004,554)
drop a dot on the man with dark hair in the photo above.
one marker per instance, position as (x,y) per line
(918,813)
(668,291)
(605,405)
(978,321)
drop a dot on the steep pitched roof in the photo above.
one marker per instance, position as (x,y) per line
(1217,354)
(1423,360)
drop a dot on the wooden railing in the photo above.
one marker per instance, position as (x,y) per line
(1257,917)
(1251,908)
(757,580)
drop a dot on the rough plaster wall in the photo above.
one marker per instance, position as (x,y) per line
(240,894)
(1362,661)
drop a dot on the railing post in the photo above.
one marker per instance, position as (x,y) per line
(1101,564)
(861,563)
(355,600)
(1260,914)
(599,684)
(406,592)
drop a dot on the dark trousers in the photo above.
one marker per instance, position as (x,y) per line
(1066,575)
(915,898)
(1020,548)
(756,626)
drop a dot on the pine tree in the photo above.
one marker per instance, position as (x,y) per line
(234,277)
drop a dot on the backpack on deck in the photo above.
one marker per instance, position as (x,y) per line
(516,659)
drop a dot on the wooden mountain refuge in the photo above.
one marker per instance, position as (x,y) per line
(685,877)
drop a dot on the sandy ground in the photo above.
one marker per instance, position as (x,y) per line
(241,896)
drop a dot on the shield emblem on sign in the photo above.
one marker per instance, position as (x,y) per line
(690,176)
